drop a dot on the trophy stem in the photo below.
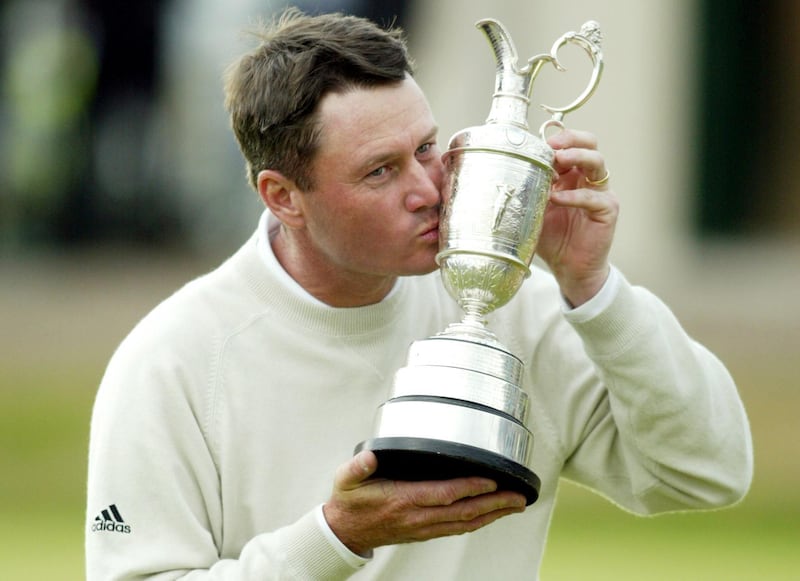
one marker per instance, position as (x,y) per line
(471,328)
(474,313)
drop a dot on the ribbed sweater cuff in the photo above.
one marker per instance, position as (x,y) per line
(312,554)
(613,330)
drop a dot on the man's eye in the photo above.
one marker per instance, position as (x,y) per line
(378,172)
(424,148)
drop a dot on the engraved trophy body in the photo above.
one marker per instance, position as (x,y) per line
(458,408)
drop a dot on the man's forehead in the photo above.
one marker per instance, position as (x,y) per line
(373,113)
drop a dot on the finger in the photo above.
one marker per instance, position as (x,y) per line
(601,183)
(468,515)
(589,162)
(570,138)
(596,202)
(448,492)
(472,508)
(450,528)
(355,471)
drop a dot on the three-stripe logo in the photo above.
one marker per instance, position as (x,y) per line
(110,520)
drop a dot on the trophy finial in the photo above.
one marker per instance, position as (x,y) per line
(591,32)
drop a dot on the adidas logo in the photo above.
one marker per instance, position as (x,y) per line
(110,520)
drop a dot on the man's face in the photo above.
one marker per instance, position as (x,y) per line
(374,209)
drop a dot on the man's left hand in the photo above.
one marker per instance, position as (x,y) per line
(580,219)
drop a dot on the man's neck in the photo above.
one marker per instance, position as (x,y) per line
(325,283)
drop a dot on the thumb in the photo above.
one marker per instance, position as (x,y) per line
(355,471)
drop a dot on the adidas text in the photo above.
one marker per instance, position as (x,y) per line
(111,526)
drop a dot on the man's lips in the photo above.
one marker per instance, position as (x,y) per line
(431,231)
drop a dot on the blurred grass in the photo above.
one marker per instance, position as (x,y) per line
(44,419)
(49,372)
(44,427)
(592,539)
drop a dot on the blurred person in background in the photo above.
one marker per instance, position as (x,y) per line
(223,430)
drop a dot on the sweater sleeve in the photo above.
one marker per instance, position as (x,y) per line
(154,508)
(665,430)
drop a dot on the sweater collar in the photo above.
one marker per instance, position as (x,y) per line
(288,300)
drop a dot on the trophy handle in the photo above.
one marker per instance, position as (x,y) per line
(588,39)
(514,85)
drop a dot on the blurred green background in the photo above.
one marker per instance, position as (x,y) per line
(120,181)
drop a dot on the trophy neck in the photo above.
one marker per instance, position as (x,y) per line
(509,109)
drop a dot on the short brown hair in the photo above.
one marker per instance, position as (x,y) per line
(273,92)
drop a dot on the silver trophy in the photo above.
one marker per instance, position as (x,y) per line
(457,408)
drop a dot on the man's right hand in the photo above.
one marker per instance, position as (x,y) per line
(365,513)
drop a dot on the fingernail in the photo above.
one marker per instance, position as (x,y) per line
(361,463)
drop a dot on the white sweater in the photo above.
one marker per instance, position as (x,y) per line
(223,415)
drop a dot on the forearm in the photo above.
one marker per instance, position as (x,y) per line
(674,421)
(298,551)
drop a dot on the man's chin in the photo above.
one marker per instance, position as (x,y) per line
(422,269)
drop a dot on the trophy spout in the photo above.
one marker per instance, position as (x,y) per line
(513,85)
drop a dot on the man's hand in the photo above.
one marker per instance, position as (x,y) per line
(580,219)
(366,513)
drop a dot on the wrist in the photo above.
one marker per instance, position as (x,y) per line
(579,290)
(359,550)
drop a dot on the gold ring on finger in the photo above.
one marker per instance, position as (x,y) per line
(599,182)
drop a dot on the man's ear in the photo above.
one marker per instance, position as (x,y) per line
(282,197)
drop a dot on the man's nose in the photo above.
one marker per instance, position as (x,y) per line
(425,186)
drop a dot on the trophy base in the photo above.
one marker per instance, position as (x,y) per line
(404,458)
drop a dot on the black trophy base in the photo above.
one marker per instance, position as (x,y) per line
(425,459)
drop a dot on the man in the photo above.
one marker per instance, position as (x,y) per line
(223,431)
